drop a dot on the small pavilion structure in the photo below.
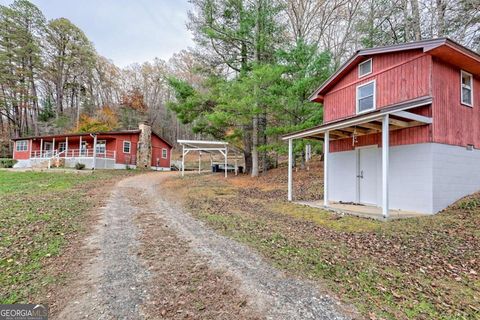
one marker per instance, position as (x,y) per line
(209,147)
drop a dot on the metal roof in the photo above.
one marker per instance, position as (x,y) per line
(203,144)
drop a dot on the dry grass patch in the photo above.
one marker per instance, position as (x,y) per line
(420,268)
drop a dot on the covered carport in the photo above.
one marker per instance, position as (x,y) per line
(210,147)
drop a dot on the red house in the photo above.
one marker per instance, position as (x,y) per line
(100,150)
(401,127)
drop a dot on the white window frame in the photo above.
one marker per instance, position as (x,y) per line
(462,73)
(60,144)
(371,68)
(24,148)
(374,96)
(166,153)
(101,142)
(129,146)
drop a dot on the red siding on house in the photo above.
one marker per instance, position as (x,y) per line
(126,158)
(398,137)
(114,143)
(399,76)
(157,146)
(21,155)
(453,122)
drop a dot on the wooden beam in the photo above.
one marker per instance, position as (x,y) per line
(357,129)
(340,134)
(399,123)
(370,125)
(413,116)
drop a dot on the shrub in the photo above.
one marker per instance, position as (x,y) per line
(79,166)
(469,204)
(7,163)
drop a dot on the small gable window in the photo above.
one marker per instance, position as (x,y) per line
(365,68)
(126,146)
(164,153)
(366,97)
(466,88)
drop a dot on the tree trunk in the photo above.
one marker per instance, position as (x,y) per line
(59,97)
(263,131)
(417,32)
(255,146)
(441,7)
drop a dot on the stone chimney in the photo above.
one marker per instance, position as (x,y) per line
(144,149)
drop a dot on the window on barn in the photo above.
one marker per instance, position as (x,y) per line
(127,146)
(466,86)
(62,146)
(164,153)
(365,68)
(22,145)
(366,97)
(101,146)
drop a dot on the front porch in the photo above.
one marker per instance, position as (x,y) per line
(94,151)
(377,123)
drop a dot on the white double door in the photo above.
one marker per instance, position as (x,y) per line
(368,161)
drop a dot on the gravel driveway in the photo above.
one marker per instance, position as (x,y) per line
(123,276)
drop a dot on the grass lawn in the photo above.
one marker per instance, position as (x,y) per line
(421,268)
(39,214)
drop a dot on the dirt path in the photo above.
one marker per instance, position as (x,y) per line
(152,260)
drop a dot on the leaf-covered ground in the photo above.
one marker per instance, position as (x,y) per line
(40,215)
(420,268)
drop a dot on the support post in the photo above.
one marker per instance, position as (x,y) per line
(53,147)
(94,151)
(66,147)
(79,148)
(290,173)
(226,160)
(199,162)
(326,151)
(236,164)
(385,160)
(183,160)
(30,149)
(41,147)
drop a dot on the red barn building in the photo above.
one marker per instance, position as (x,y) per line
(401,127)
(101,150)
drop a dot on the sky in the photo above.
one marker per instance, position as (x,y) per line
(126,31)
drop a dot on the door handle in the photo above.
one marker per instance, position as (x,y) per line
(360,175)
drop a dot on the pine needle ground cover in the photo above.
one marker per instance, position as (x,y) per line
(421,268)
(40,214)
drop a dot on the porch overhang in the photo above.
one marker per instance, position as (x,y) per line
(369,123)
(394,117)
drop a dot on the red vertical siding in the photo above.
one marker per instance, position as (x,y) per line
(122,157)
(454,123)
(157,146)
(399,76)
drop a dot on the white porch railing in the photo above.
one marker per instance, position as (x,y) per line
(72,153)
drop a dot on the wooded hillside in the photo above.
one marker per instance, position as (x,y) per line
(246,81)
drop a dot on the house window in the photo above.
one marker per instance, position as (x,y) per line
(62,146)
(126,146)
(466,86)
(21,145)
(366,97)
(164,153)
(365,68)
(101,146)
